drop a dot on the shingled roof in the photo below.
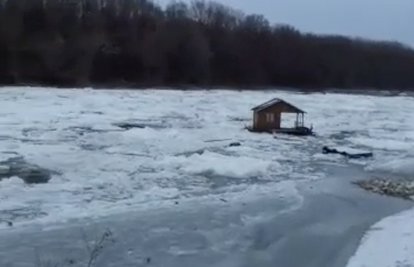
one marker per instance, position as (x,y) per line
(276,101)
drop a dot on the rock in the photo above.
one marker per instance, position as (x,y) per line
(190,153)
(30,173)
(403,189)
(4,171)
(33,174)
(129,125)
(235,144)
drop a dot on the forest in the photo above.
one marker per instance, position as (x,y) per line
(202,44)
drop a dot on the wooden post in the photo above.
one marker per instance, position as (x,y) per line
(297,120)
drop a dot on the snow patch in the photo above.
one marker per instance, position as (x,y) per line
(387,143)
(389,243)
(215,164)
(12,183)
(328,157)
(398,166)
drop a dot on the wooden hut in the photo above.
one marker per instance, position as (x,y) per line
(267,118)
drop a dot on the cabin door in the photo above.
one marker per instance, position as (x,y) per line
(273,120)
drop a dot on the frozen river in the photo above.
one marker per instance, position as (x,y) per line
(266,231)
(174,198)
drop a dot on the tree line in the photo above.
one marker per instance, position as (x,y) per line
(137,43)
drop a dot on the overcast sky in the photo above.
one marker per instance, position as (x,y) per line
(374,19)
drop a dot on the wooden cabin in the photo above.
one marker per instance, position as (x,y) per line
(267,118)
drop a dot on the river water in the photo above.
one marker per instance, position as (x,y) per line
(324,232)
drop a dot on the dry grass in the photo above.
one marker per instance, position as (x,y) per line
(94,250)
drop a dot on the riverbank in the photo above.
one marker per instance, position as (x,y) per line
(389,242)
(270,89)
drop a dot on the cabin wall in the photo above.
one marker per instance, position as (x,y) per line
(261,119)
(263,123)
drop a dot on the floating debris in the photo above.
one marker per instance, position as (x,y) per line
(396,188)
(347,152)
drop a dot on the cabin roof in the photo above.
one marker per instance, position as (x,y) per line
(274,102)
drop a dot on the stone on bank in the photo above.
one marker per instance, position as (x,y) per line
(397,188)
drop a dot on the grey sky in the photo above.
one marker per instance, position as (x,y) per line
(374,19)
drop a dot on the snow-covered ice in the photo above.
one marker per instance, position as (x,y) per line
(103,168)
(351,150)
(389,243)
(397,166)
